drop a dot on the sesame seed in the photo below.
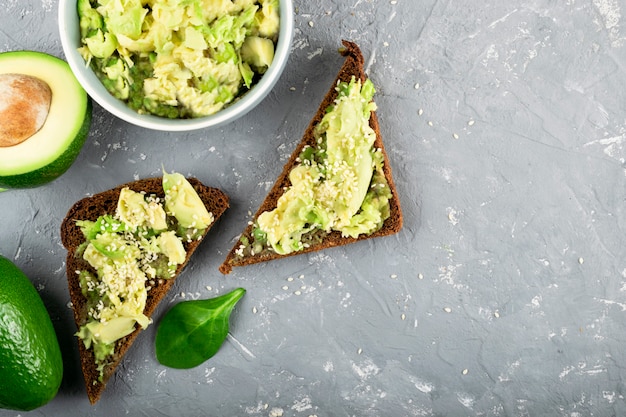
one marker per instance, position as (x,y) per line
(581,260)
(285,287)
(403,316)
(311,23)
(359,351)
(417,86)
(254,310)
(455,136)
(447,309)
(420,276)
(420,112)
(465,371)
(496,314)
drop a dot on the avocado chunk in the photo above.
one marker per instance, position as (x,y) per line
(258,52)
(52,143)
(339,186)
(267,19)
(135,211)
(182,202)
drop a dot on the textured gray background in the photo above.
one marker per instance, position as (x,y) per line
(504,294)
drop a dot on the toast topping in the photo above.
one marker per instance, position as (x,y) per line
(178,58)
(140,243)
(339,185)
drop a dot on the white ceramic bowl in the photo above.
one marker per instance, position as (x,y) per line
(70,39)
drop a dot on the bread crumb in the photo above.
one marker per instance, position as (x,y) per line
(393,276)
(420,276)
(311,23)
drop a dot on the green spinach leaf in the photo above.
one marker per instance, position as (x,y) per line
(193,331)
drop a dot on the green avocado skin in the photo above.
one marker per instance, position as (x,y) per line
(57,167)
(31,365)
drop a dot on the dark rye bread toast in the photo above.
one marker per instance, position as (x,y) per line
(352,66)
(91,208)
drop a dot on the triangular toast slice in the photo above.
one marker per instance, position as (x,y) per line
(353,66)
(91,208)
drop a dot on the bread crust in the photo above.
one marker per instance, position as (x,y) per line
(91,208)
(352,66)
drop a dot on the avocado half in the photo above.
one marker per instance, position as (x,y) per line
(52,149)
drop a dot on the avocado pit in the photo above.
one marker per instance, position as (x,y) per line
(24,106)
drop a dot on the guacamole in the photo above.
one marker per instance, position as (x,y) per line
(178,58)
(128,251)
(338,185)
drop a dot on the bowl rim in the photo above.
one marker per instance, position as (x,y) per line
(70,39)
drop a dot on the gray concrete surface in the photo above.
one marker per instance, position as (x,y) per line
(504,294)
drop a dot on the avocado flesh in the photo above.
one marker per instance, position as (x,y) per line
(331,193)
(258,52)
(125,257)
(51,151)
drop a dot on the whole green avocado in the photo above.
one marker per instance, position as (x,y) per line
(31,366)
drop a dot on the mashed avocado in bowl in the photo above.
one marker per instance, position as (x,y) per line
(177,64)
